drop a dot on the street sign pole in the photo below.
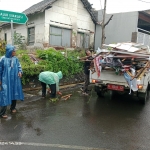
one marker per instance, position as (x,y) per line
(12,33)
(13,17)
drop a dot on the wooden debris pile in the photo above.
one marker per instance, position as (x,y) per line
(132,58)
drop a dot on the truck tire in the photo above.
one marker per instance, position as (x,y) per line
(111,94)
(99,94)
(143,97)
(99,91)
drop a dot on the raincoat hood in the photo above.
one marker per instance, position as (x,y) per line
(59,74)
(9,50)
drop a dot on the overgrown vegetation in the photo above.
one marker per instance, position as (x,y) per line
(50,60)
(19,40)
(2,47)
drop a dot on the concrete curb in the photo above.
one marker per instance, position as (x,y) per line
(61,87)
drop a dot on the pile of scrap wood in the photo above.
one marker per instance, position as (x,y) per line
(131,58)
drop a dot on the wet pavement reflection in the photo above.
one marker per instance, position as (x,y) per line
(81,122)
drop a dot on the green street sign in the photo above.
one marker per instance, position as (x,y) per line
(15,17)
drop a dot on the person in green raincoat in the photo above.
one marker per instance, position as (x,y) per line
(52,80)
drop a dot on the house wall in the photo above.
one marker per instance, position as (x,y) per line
(36,21)
(69,14)
(119,29)
(85,23)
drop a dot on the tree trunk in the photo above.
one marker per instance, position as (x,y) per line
(103,25)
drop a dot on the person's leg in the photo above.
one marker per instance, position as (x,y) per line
(13,106)
(53,91)
(43,89)
(86,80)
(3,111)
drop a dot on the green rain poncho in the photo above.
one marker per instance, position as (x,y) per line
(51,78)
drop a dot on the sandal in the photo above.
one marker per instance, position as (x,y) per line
(14,111)
(4,116)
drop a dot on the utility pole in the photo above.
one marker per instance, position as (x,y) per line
(103,25)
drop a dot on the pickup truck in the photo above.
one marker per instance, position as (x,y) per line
(112,83)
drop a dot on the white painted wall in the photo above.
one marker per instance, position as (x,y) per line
(62,14)
(37,21)
(69,14)
(84,21)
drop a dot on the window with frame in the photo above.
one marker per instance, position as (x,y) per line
(82,40)
(31,35)
(60,36)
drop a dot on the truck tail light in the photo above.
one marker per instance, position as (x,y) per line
(96,81)
(93,81)
(140,86)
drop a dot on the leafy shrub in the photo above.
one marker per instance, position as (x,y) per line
(19,40)
(2,47)
(50,60)
(55,61)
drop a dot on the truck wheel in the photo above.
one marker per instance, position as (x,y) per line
(99,91)
(143,97)
(111,94)
(99,94)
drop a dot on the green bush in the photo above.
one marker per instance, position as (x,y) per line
(2,47)
(55,61)
(50,60)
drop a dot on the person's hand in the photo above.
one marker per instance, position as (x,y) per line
(0,82)
(19,74)
(59,93)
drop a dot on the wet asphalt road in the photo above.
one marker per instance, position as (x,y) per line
(80,123)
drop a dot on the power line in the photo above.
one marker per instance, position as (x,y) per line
(143,1)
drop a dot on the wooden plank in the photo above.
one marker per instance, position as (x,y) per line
(66,95)
(130,53)
(139,74)
(145,70)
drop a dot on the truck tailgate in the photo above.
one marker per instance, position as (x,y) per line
(108,76)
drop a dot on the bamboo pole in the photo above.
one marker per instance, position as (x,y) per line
(66,95)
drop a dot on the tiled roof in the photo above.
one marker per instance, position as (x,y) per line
(45,4)
(39,7)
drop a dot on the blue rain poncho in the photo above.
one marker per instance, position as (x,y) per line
(11,88)
(48,77)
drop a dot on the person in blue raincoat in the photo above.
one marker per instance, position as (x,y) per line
(11,87)
(52,80)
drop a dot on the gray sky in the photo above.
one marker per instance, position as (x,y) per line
(113,6)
